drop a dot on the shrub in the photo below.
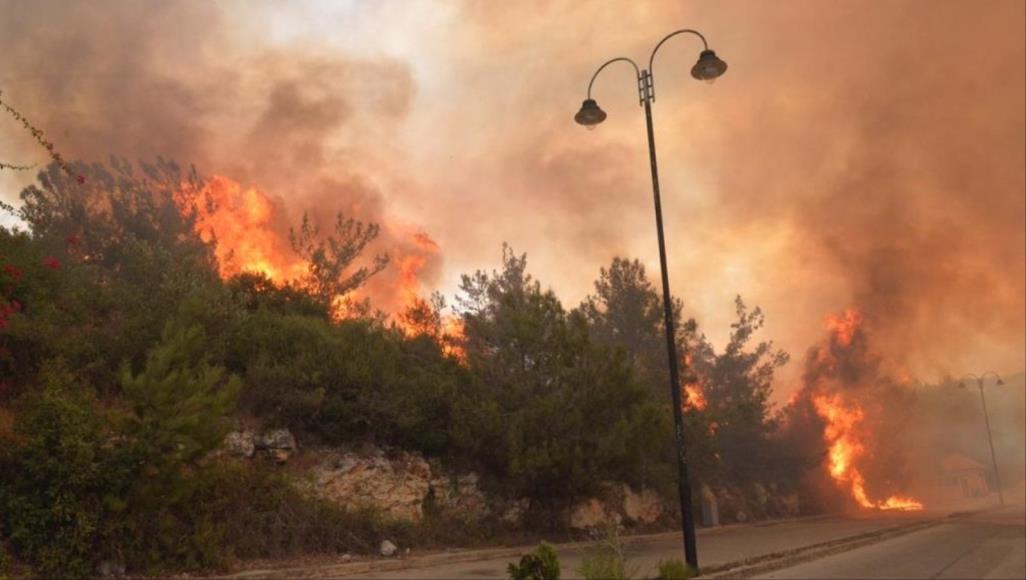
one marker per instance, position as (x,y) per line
(53,508)
(674,570)
(542,564)
(608,560)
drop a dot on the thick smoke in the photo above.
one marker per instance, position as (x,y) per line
(853,155)
(197,83)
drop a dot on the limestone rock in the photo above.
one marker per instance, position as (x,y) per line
(459,496)
(514,514)
(593,514)
(644,507)
(240,444)
(278,439)
(397,487)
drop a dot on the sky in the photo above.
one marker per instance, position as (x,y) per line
(856,154)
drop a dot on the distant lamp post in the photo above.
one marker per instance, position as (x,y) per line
(986,419)
(708,68)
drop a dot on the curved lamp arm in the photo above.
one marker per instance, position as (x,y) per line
(609,62)
(970,376)
(671,35)
(997,377)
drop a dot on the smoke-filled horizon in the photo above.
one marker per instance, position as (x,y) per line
(853,155)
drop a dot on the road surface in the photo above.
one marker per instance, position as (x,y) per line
(990,544)
(716,547)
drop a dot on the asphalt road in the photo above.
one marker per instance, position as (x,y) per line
(990,544)
(716,546)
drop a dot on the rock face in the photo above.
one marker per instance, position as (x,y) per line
(277,444)
(620,504)
(241,444)
(402,486)
(593,514)
(645,507)
(458,495)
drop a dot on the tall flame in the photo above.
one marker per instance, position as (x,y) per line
(841,433)
(844,433)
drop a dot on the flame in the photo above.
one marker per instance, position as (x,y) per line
(842,328)
(846,448)
(242,222)
(250,230)
(844,432)
(695,398)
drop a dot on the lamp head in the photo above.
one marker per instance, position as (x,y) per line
(709,67)
(590,114)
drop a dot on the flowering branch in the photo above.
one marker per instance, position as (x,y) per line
(37,134)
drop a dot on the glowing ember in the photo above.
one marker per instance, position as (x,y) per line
(841,433)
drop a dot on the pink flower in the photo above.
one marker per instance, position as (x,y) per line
(80,179)
(12,271)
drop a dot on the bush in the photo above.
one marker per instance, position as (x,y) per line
(674,570)
(608,560)
(53,509)
(263,515)
(542,564)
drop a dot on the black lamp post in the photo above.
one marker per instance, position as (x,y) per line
(986,419)
(708,68)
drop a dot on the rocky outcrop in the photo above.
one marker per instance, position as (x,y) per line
(278,444)
(240,444)
(593,513)
(645,507)
(458,495)
(402,486)
(619,504)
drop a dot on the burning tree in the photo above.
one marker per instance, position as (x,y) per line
(850,411)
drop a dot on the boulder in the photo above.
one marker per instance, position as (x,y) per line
(388,549)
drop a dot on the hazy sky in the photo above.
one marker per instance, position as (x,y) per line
(867,154)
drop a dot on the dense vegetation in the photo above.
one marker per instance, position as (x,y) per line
(124,357)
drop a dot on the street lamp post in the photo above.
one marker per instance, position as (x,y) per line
(708,68)
(986,420)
